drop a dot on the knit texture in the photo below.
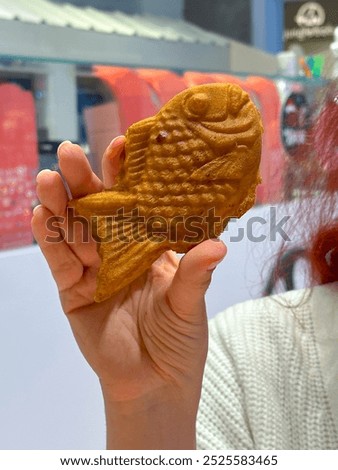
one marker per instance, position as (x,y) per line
(263,386)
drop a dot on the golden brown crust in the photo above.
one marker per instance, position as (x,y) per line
(196,160)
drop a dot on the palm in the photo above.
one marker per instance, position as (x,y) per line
(121,337)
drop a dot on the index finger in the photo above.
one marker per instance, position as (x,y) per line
(77,171)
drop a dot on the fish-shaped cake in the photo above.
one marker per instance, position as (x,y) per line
(187,171)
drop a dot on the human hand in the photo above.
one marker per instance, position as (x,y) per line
(149,340)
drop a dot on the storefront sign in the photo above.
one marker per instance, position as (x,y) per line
(310,20)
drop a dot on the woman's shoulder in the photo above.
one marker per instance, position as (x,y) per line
(263,358)
(279,305)
(280,317)
(276,308)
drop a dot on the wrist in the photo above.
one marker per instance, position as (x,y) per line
(156,420)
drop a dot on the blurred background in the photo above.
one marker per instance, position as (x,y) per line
(85,71)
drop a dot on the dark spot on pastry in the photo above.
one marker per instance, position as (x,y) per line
(161,137)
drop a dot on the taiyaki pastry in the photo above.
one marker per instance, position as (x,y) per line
(187,171)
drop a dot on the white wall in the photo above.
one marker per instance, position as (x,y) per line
(49,397)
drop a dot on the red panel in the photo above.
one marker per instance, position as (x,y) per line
(18,165)
(273,155)
(132,94)
(164,83)
(198,78)
(224,77)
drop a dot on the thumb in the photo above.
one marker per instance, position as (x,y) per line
(193,276)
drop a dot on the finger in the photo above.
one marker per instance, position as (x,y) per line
(76,170)
(111,160)
(75,229)
(78,235)
(81,180)
(66,268)
(192,278)
(51,191)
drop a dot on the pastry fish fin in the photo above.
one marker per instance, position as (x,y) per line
(231,166)
(104,203)
(126,252)
(209,171)
(138,136)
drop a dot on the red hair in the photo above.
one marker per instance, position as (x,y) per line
(323,244)
(317,205)
(323,254)
(324,137)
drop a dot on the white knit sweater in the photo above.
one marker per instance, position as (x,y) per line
(271,378)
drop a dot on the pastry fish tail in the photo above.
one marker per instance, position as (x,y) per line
(127,251)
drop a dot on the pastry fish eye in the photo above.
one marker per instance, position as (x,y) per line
(197,104)
(162,135)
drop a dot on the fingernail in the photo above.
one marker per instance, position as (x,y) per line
(215,239)
(116,139)
(36,208)
(64,142)
(213,265)
(42,172)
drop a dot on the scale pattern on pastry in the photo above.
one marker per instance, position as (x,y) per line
(187,171)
